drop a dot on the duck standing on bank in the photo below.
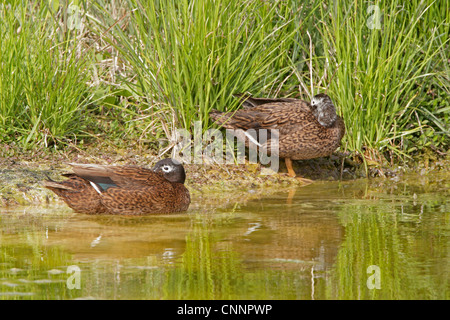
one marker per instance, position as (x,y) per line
(306,131)
(124,190)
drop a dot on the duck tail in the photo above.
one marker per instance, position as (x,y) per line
(52,185)
(55,185)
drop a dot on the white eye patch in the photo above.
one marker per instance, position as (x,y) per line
(167,168)
(315,101)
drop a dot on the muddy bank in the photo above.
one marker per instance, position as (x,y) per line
(21,180)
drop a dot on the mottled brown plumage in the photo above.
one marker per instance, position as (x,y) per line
(124,190)
(306,131)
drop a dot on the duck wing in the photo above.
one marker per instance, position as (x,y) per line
(118,176)
(266,116)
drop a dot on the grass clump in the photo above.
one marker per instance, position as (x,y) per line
(384,66)
(136,70)
(44,77)
(190,57)
(382,71)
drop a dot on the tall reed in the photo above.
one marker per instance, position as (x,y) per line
(377,63)
(383,59)
(383,64)
(192,56)
(43,77)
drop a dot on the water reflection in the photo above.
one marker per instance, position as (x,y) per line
(314,242)
(291,235)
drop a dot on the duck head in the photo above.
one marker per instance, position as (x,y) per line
(171,169)
(323,109)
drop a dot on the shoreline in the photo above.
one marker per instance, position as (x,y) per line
(20,181)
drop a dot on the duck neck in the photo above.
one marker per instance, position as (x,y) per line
(326,115)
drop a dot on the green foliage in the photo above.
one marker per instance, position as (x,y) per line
(382,72)
(161,65)
(43,78)
(191,57)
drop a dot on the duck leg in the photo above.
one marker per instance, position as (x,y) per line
(292,173)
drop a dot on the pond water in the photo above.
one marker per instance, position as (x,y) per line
(363,239)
